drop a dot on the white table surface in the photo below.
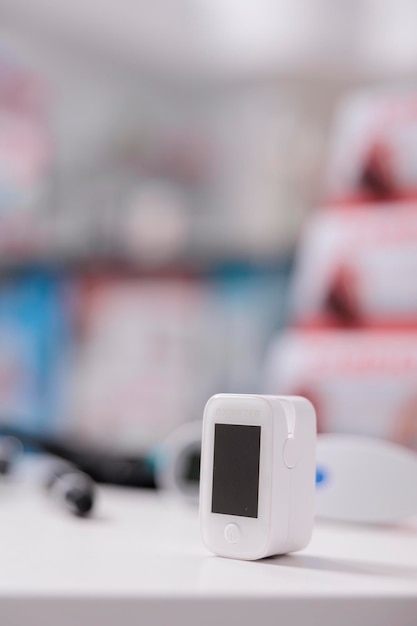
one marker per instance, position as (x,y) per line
(140,561)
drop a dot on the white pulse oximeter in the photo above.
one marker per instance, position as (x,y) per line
(258,471)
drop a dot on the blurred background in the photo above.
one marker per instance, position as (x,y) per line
(201,197)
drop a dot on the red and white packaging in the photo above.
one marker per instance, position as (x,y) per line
(134,361)
(358,268)
(362,382)
(373,154)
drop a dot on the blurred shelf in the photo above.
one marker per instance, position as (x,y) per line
(119,265)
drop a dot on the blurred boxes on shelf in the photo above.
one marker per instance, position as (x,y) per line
(119,359)
(358,268)
(353,347)
(373,148)
(153,173)
(360,381)
(163,206)
(134,372)
(152,350)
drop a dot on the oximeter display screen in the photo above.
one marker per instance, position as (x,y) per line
(236,469)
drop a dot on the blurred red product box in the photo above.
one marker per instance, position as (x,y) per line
(358,268)
(362,382)
(373,154)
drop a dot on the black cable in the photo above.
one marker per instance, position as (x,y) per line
(108,468)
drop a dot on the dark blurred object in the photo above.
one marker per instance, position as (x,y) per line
(341,301)
(102,467)
(177,461)
(377,178)
(73,489)
(9,449)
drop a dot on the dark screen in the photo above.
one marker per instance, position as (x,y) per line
(236,469)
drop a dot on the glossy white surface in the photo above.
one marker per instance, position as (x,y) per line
(141,560)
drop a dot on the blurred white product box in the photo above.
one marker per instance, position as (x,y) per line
(373,155)
(358,268)
(362,382)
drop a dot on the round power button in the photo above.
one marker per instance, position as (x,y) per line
(232,533)
(290,452)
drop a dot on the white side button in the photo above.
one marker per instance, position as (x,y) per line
(232,533)
(290,452)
